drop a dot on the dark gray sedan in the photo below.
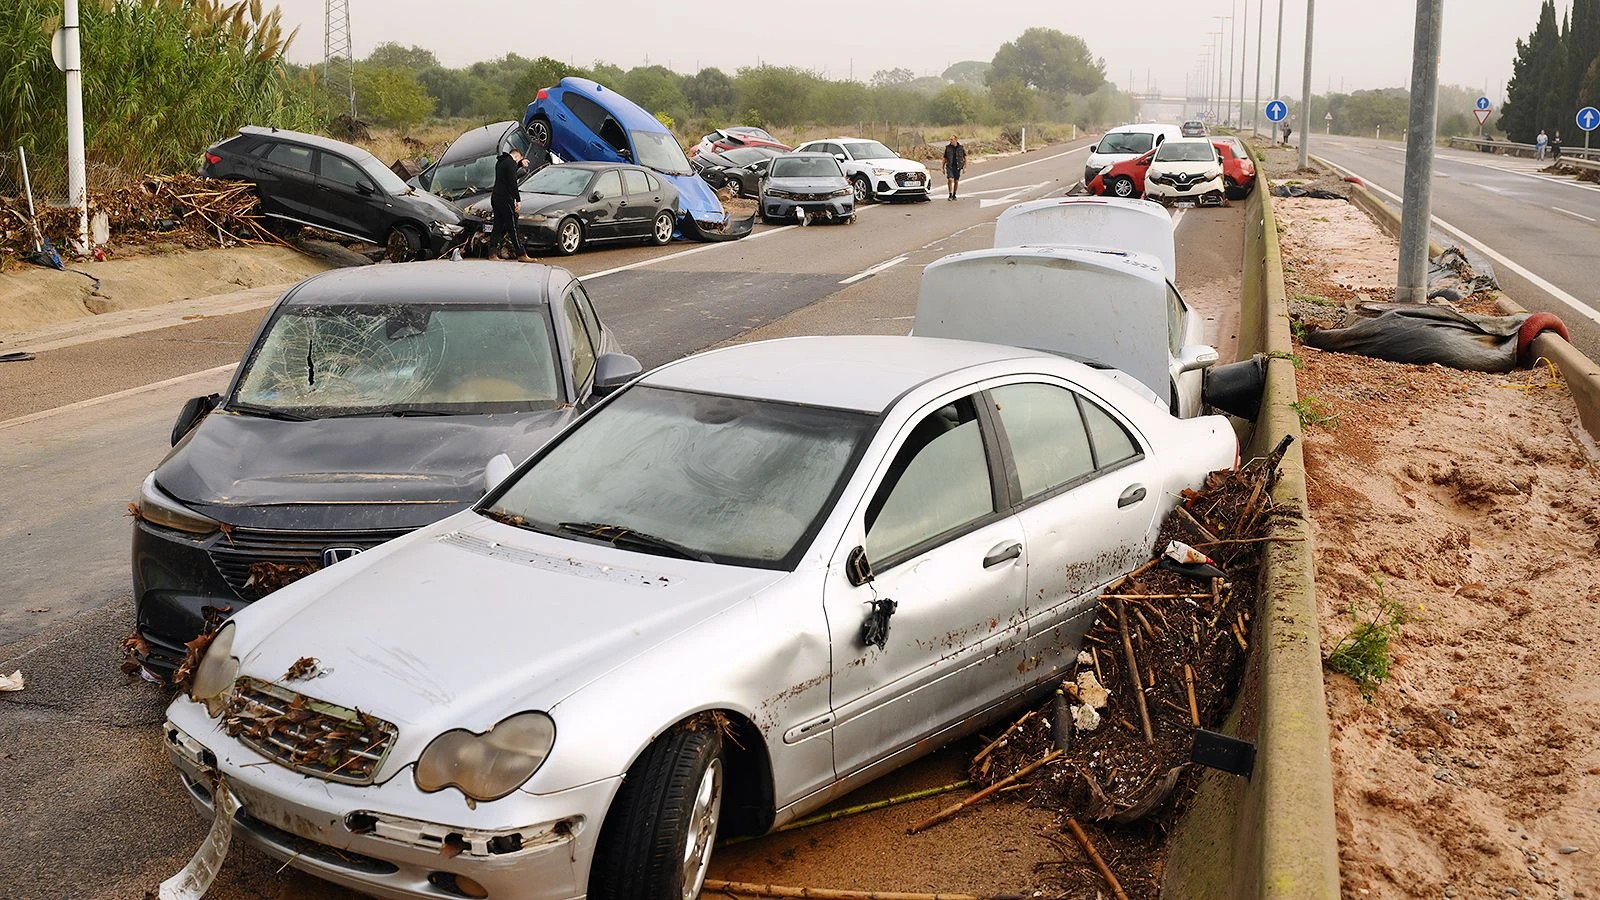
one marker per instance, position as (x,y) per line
(371,402)
(569,205)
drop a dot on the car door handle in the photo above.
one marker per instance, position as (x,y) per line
(1002,553)
(1132,495)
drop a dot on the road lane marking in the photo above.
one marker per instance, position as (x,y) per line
(1577,305)
(1572,214)
(873,270)
(106,398)
(1012,196)
(1553,179)
(968,180)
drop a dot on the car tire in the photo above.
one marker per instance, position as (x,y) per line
(862,188)
(539,131)
(404,244)
(661,229)
(1232,190)
(1122,186)
(569,237)
(735,184)
(657,839)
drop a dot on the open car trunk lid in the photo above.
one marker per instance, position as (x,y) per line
(1110,223)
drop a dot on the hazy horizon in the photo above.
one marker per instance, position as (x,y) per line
(1360,44)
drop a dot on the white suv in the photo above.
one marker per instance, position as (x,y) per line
(1186,169)
(875,171)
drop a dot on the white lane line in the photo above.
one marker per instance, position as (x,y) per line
(1083,150)
(873,270)
(1572,214)
(1553,179)
(106,398)
(1577,305)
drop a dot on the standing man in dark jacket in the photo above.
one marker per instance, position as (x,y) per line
(955,159)
(506,202)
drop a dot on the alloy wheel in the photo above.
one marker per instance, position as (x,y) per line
(702,830)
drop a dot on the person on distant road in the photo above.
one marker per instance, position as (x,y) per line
(1287,132)
(955,159)
(1541,142)
(506,203)
(1555,146)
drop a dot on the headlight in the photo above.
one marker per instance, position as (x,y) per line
(883,173)
(157,508)
(487,766)
(536,218)
(842,192)
(216,672)
(781,195)
(1106,171)
(446,230)
(1214,173)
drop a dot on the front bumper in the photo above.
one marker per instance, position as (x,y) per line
(1197,191)
(389,839)
(902,184)
(782,208)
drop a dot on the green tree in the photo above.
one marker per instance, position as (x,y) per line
(1533,99)
(415,58)
(892,78)
(657,89)
(955,105)
(970,73)
(390,95)
(1013,99)
(709,89)
(544,72)
(777,94)
(1050,61)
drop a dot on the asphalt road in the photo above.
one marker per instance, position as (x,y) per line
(94,809)
(1538,232)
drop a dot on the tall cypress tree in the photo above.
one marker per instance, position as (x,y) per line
(1533,93)
(1583,48)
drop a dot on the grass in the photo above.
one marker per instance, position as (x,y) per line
(1363,654)
(1293,358)
(1316,299)
(1313,411)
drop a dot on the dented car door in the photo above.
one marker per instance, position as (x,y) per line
(937,634)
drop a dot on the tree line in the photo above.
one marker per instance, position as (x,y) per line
(1556,73)
(1385,111)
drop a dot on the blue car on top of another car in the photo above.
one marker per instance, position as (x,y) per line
(580,119)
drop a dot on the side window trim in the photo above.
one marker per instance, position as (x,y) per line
(999,491)
(581,333)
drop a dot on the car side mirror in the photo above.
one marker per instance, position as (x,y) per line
(857,568)
(496,470)
(613,371)
(195,409)
(1094,148)
(364,189)
(840,157)
(594,197)
(1197,356)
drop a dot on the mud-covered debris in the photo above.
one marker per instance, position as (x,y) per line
(266,576)
(303,668)
(195,649)
(12,682)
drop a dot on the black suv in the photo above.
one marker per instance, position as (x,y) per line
(337,187)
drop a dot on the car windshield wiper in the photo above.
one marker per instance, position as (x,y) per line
(266,412)
(373,413)
(620,535)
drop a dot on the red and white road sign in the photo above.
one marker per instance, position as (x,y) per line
(1482,114)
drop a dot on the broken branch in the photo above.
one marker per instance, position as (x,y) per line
(1194,708)
(1201,529)
(1003,735)
(1094,857)
(747,889)
(987,792)
(1133,669)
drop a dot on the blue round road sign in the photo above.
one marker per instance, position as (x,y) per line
(1589,118)
(1483,102)
(1277,110)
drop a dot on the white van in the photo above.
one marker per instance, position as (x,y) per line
(1126,142)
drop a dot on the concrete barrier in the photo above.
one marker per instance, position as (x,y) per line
(1272,836)
(1581,373)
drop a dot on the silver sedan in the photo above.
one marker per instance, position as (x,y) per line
(740,587)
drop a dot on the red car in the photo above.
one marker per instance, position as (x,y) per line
(739,136)
(1123,179)
(1238,172)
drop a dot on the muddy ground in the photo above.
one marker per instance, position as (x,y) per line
(1472,502)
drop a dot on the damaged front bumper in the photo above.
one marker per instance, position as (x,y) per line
(780,208)
(391,839)
(730,229)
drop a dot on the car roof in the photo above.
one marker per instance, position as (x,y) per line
(434,281)
(1189,140)
(804,154)
(1142,127)
(310,140)
(477,142)
(859,372)
(628,114)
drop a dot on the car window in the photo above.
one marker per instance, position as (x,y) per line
(1177,318)
(609,184)
(291,156)
(1112,442)
(339,171)
(870,150)
(582,344)
(1127,142)
(937,483)
(1049,443)
(588,112)
(586,309)
(655,183)
(634,181)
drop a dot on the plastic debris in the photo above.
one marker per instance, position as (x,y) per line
(1085,718)
(1091,691)
(12,682)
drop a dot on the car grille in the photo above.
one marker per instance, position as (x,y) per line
(908,178)
(309,736)
(256,562)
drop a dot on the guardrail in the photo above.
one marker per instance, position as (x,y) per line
(1512,148)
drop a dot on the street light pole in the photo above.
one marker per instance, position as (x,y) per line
(71,63)
(1222,29)
(1255,114)
(1233,40)
(1305,92)
(1244,56)
(1417,209)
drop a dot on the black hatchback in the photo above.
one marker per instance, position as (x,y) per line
(372,401)
(337,187)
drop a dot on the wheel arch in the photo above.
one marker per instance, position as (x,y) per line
(749,783)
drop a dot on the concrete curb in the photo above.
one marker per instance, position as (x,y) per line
(1581,373)
(1274,836)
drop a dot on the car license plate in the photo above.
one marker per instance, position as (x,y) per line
(194,879)
(266,808)
(487,228)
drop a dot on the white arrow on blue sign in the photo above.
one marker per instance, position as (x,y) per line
(1277,110)
(1483,102)
(1589,118)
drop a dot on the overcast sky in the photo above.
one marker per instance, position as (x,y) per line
(1359,43)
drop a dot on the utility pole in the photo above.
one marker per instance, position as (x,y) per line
(1244,56)
(1255,114)
(336,49)
(1222,29)
(1277,66)
(65,47)
(1233,40)
(1305,92)
(1416,213)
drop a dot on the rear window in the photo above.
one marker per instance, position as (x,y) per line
(1136,142)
